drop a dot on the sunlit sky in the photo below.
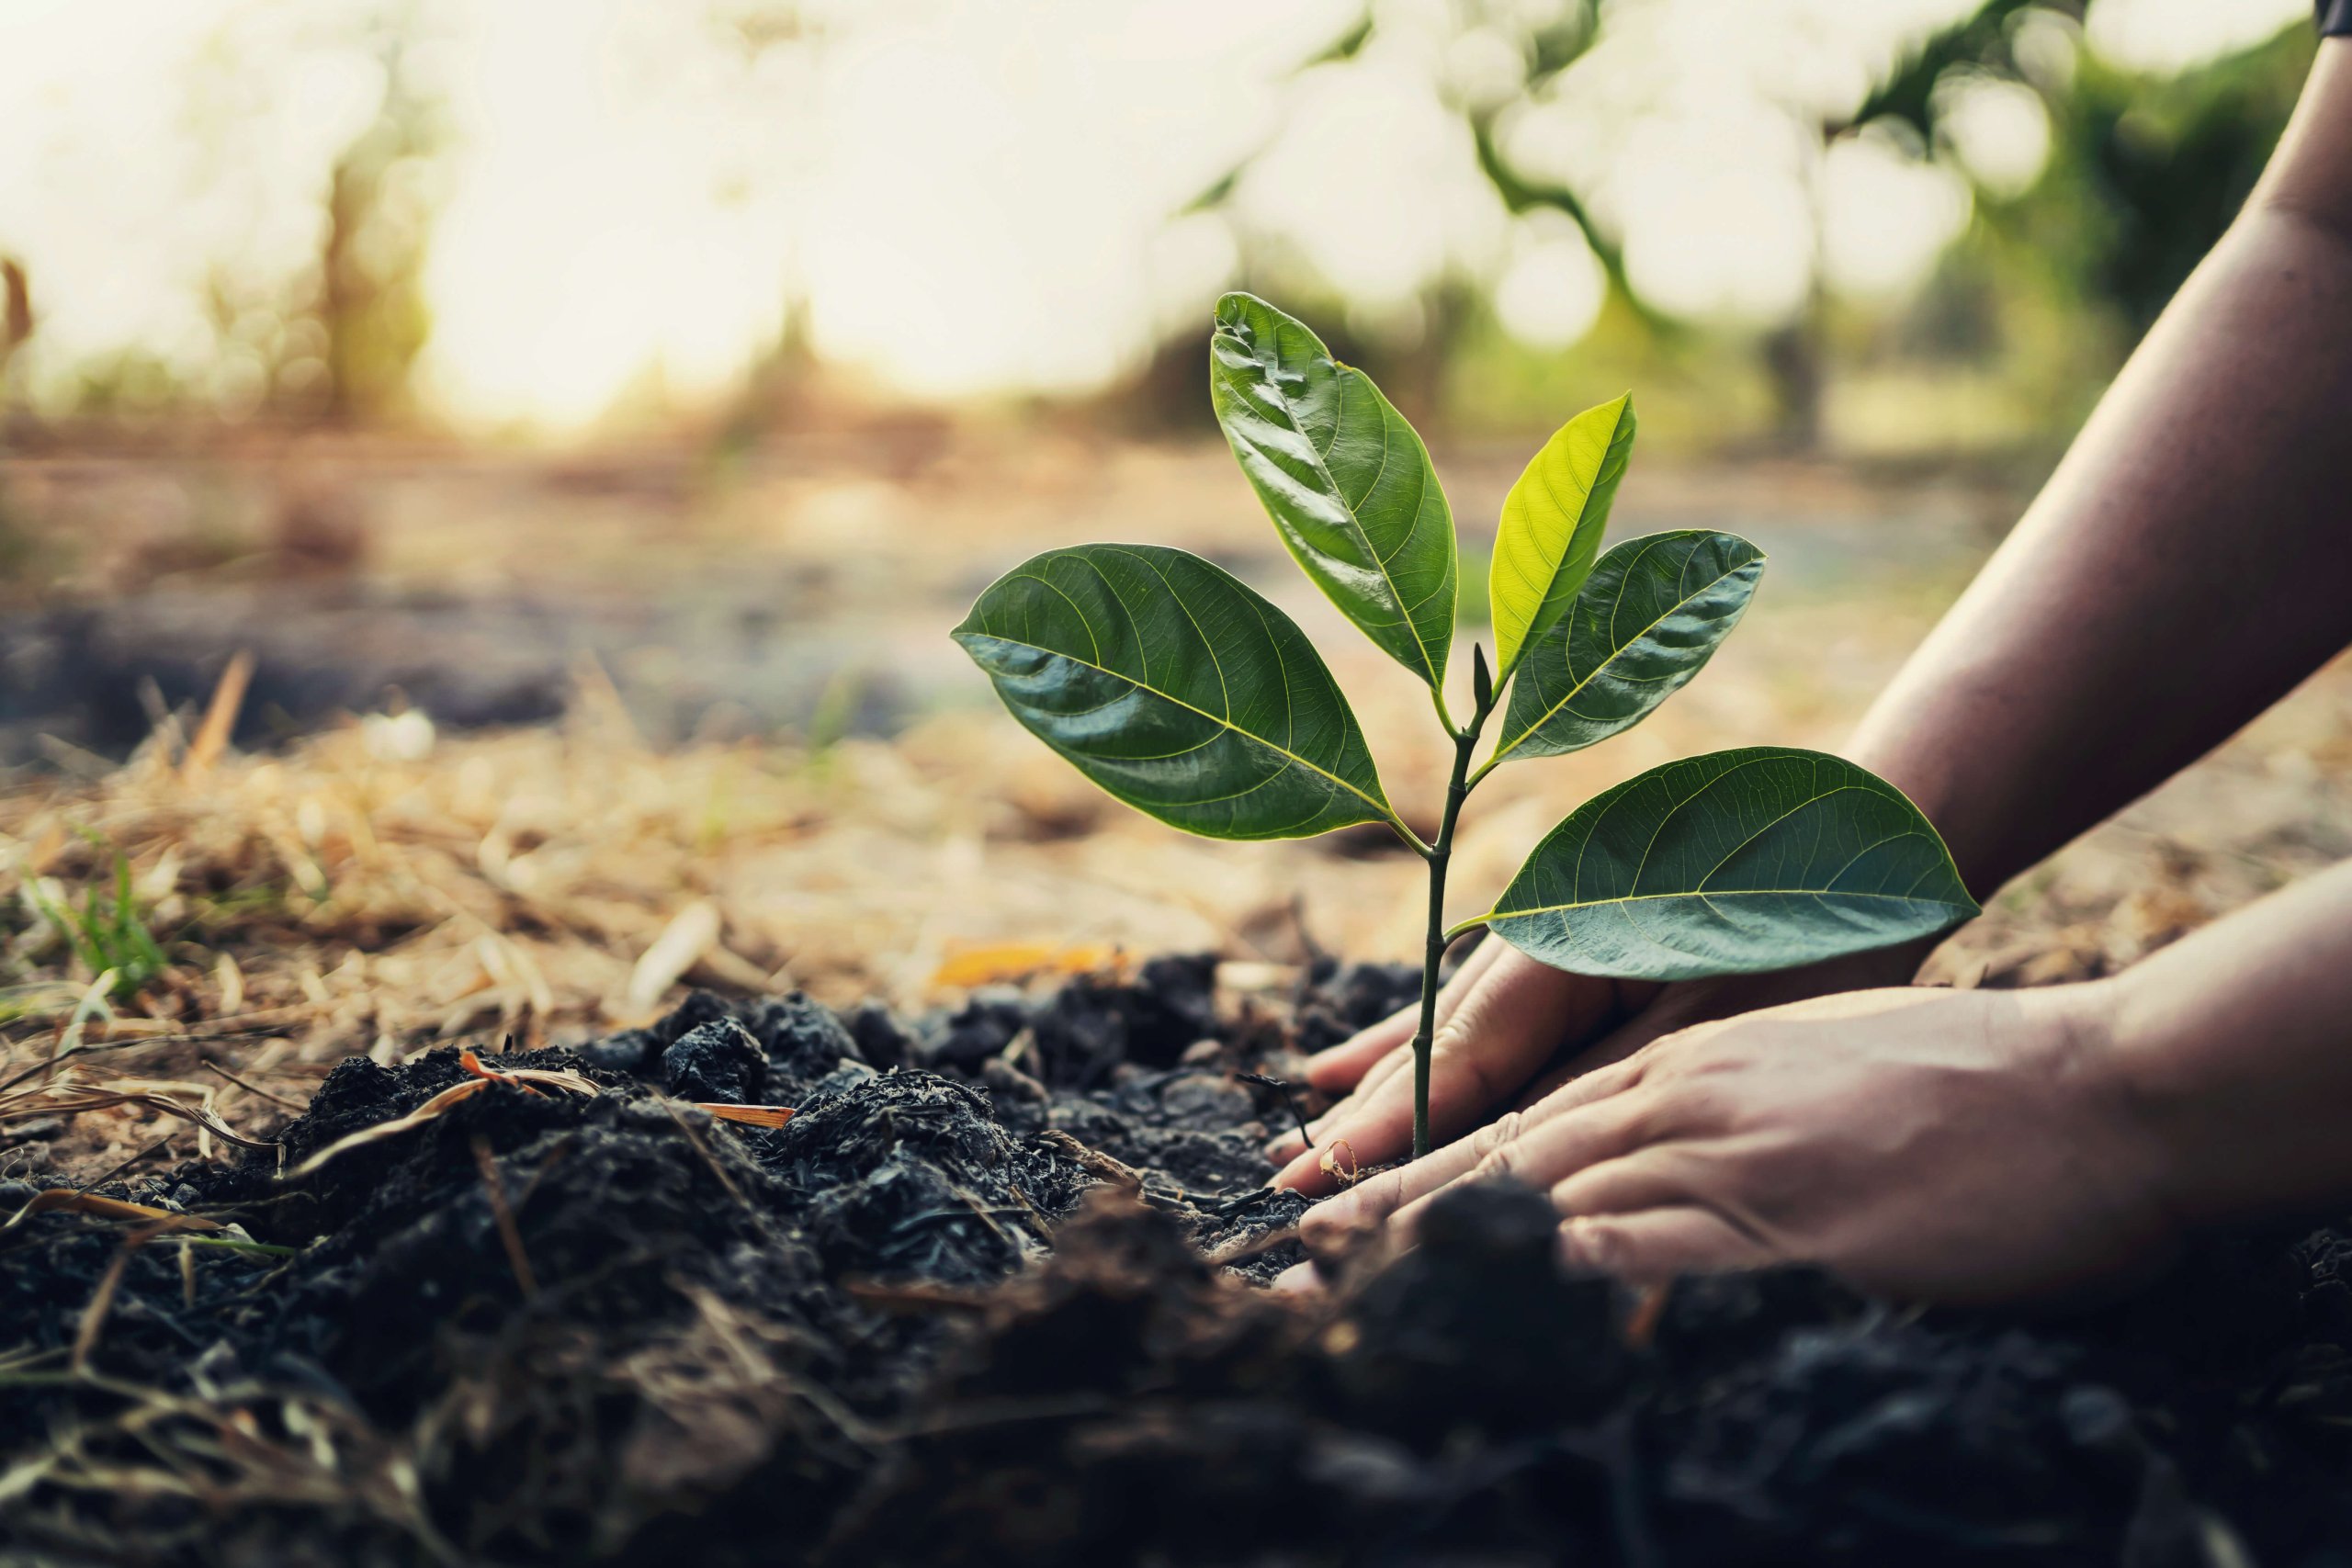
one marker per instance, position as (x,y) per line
(967,197)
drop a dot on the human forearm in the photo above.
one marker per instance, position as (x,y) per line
(2188,562)
(2232,1049)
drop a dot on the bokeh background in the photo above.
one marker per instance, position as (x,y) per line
(484,485)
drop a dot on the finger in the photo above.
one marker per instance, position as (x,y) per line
(1400,1060)
(1335,1221)
(1378,1198)
(1542,1153)
(1298,1279)
(1653,1178)
(1571,1083)
(1656,1244)
(1571,1059)
(1497,1037)
(1342,1067)
(1502,1030)
(1290,1145)
(1344,1064)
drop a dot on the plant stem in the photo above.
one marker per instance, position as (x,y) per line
(1457,790)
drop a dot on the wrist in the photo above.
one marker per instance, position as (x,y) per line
(2125,1060)
(2130,1129)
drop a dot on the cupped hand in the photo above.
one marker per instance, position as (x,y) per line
(1948,1146)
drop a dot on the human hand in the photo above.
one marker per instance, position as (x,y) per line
(1950,1146)
(1509,1030)
(1501,1020)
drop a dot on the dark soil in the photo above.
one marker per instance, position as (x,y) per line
(989,1298)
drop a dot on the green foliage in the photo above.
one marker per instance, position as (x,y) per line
(1762,858)
(1345,478)
(1178,690)
(1186,694)
(109,934)
(1650,616)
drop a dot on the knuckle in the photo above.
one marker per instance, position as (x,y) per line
(1498,1163)
(1591,1243)
(1323,1222)
(1492,1139)
(1453,1033)
(1642,1115)
(1338,1225)
(1635,1069)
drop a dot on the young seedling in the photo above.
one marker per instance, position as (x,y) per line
(1188,695)
(109,934)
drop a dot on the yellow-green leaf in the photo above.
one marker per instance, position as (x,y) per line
(1552,525)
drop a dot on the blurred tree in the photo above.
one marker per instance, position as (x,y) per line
(15,331)
(2145,173)
(16,308)
(2141,175)
(334,332)
(16,313)
(370,296)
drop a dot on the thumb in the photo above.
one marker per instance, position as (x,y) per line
(1504,1029)
(1343,1065)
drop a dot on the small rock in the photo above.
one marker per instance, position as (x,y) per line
(803,1038)
(983,1026)
(717,1061)
(880,1039)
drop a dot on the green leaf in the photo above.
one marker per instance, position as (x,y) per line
(1724,865)
(1178,690)
(1346,480)
(1552,524)
(1645,621)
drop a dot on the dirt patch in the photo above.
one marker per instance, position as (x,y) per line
(988,1298)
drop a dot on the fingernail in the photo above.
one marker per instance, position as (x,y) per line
(1298,1172)
(1298,1279)
(1285,1149)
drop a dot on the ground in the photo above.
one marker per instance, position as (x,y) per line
(529,749)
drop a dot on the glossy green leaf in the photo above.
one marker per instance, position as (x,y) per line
(1728,863)
(1647,620)
(1346,480)
(1552,524)
(1178,690)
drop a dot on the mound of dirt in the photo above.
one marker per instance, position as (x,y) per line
(989,1297)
